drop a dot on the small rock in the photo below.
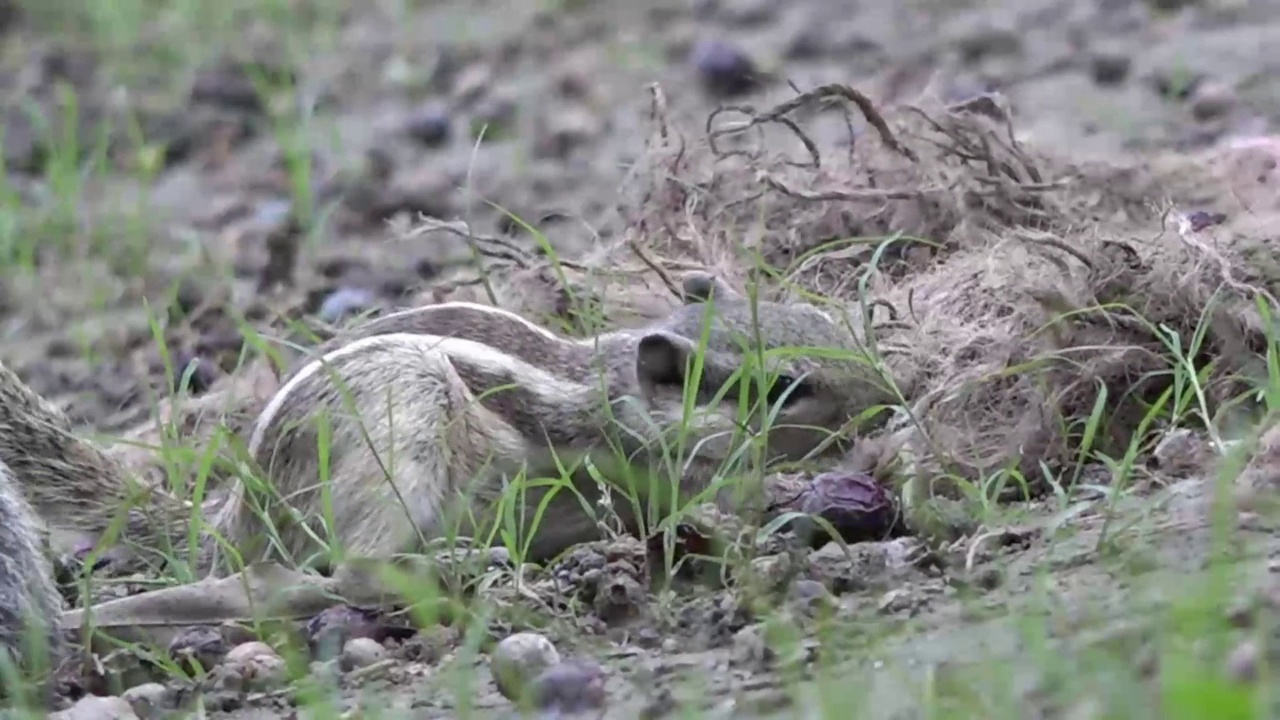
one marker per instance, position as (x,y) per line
(723,68)
(256,666)
(1200,219)
(1170,5)
(571,686)
(227,86)
(987,578)
(472,83)
(198,646)
(1109,67)
(1242,614)
(1242,663)
(670,646)
(648,637)
(747,13)
(896,601)
(518,659)
(148,700)
(750,647)
(271,215)
(345,302)
(494,118)
(1182,452)
(989,41)
(430,124)
(361,652)
(1176,84)
(328,632)
(96,707)
(1212,100)
(810,595)
(566,130)
(855,504)
(245,652)
(329,671)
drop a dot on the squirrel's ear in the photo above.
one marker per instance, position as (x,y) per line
(661,359)
(699,287)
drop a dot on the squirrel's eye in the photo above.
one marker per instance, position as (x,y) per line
(798,390)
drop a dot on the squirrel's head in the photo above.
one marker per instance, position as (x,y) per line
(787,367)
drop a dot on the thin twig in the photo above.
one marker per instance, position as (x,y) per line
(506,250)
(662,274)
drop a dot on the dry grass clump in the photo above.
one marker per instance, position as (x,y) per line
(1012,294)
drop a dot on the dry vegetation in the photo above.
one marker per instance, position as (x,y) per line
(1088,371)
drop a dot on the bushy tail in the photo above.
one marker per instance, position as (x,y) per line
(73,484)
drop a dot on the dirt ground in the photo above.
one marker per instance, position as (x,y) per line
(374,114)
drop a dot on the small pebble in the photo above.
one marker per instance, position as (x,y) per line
(1199,220)
(245,652)
(345,302)
(572,686)
(1170,5)
(270,215)
(1110,67)
(1241,614)
(748,13)
(226,86)
(472,83)
(148,700)
(198,646)
(257,665)
(328,632)
(724,68)
(430,124)
(648,637)
(810,595)
(989,41)
(361,652)
(96,707)
(749,646)
(1212,100)
(519,658)
(1242,663)
(494,117)
(988,578)
(566,130)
